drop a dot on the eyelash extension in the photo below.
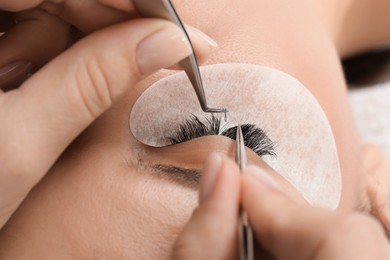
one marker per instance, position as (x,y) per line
(254,137)
(193,128)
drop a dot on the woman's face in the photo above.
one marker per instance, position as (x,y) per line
(112,196)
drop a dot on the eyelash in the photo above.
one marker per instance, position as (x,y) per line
(254,137)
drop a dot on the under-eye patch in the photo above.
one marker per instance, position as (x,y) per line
(266,98)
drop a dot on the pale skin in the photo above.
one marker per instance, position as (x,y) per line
(324,39)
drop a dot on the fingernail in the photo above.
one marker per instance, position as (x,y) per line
(202,35)
(13,72)
(209,176)
(262,176)
(162,49)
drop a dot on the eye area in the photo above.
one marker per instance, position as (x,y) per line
(255,138)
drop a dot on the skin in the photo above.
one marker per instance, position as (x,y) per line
(236,45)
(96,180)
(283,234)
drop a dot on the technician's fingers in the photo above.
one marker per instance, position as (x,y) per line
(202,51)
(40,119)
(99,14)
(14,6)
(291,231)
(34,40)
(6,21)
(94,14)
(212,230)
(119,4)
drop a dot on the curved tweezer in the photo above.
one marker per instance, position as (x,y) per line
(244,229)
(164,9)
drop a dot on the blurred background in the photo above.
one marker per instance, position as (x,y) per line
(368,78)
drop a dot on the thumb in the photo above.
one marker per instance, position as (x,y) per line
(212,230)
(40,119)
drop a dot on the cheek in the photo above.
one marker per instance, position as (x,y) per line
(96,203)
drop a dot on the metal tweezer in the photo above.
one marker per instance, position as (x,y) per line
(244,229)
(164,9)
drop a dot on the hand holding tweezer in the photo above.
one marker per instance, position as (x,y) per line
(244,229)
(164,9)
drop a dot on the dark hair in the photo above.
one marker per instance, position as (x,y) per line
(367,68)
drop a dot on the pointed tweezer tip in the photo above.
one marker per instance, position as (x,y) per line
(215,110)
(240,138)
(240,149)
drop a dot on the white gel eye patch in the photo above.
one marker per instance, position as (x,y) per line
(270,99)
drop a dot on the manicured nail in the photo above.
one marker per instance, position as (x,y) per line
(13,72)
(202,35)
(262,176)
(162,49)
(209,176)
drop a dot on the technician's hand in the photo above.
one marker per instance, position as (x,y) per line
(35,36)
(38,30)
(86,15)
(286,230)
(42,117)
(31,39)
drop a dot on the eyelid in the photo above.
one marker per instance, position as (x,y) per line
(187,177)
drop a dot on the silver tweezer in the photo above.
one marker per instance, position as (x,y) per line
(164,9)
(244,229)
